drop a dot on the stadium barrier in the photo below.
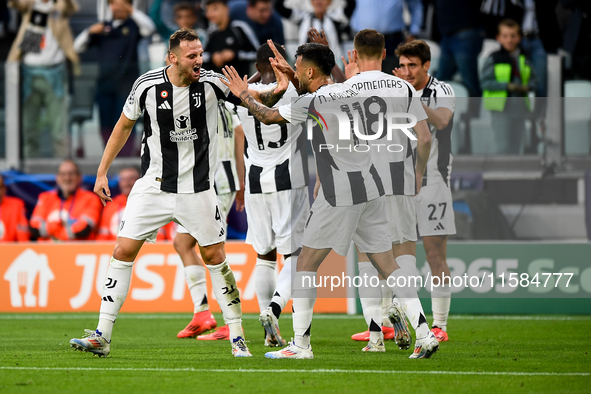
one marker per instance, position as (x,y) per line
(69,277)
(489,277)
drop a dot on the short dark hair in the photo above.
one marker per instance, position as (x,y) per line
(252,3)
(184,6)
(509,23)
(264,53)
(183,34)
(210,2)
(369,43)
(319,55)
(415,48)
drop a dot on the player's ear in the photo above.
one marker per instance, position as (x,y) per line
(383,53)
(427,65)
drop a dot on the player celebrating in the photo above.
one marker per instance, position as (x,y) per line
(435,215)
(397,169)
(349,205)
(276,178)
(179,148)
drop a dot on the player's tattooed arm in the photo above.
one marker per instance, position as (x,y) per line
(263,113)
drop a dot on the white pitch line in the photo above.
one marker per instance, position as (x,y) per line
(75,316)
(314,371)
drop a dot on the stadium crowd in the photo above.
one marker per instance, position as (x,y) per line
(232,30)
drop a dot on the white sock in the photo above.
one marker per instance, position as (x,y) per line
(440,304)
(195,277)
(370,298)
(304,297)
(264,282)
(407,295)
(386,302)
(114,294)
(283,290)
(228,297)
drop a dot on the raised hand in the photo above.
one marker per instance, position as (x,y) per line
(351,68)
(398,73)
(281,77)
(318,37)
(233,81)
(281,64)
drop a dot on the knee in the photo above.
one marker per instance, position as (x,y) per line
(213,255)
(183,244)
(123,253)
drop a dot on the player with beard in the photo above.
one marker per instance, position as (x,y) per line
(179,152)
(349,204)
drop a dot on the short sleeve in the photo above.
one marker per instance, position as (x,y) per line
(132,108)
(446,97)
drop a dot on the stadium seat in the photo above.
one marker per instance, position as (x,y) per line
(577,117)
(435,56)
(459,128)
(488,47)
(82,103)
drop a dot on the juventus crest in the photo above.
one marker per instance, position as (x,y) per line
(197,99)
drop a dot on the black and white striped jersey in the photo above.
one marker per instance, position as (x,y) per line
(179,146)
(396,159)
(276,156)
(226,175)
(435,95)
(347,176)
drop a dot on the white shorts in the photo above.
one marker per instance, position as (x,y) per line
(403,219)
(149,208)
(225,202)
(435,214)
(276,220)
(366,224)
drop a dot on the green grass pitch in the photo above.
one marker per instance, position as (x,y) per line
(492,354)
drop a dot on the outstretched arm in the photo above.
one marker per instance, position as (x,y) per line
(118,138)
(239,87)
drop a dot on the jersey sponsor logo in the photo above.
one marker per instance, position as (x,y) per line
(164,105)
(181,122)
(184,135)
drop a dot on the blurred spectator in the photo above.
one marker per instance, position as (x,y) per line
(13,222)
(117,43)
(140,7)
(8,29)
(460,25)
(231,43)
(113,212)
(508,73)
(334,24)
(68,212)
(577,37)
(103,11)
(494,11)
(260,16)
(186,15)
(385,16)
(43,44)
